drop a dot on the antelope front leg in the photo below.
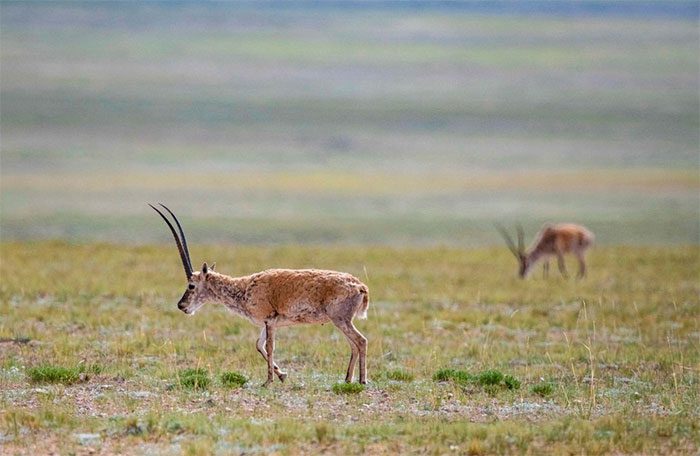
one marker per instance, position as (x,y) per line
(581,266)
(260,345)
(562,265)
(270,347)
(545,269)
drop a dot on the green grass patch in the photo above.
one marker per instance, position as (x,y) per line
(233,379)
(543,389)
(490,380)
(49,373)
(348,388)
(453,375)
(54,374)
(399,375)
(511,382)
(194,378)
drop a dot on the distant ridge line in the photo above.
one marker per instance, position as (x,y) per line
(671,9)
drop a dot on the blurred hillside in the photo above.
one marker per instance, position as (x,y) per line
(377,123)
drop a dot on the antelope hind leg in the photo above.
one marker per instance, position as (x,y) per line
(260,346)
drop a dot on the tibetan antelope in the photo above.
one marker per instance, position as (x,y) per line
(551,240)
(279,297)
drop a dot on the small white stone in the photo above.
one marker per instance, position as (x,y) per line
(141,394)
(88,439)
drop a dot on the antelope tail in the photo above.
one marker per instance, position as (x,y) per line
(362,310)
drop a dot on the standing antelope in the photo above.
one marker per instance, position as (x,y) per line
(551,240)
(279,297)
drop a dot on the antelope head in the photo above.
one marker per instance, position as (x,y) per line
(519,251)
(197,292)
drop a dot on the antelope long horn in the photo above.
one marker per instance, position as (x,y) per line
(184,254)
(182,235)
(521,238)
(507,238)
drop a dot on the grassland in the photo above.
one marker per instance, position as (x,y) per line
(319,125)
(608,364)
(379,140)
(621,207)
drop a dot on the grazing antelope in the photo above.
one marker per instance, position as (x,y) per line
(279,297)
(551,240)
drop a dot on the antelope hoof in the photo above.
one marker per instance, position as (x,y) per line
(363,382)
(267,383)
(282,376)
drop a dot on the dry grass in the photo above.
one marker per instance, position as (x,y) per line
(618,351)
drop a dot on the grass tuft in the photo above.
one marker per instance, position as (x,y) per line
(453,375)
(348,388)
(49,373)
(491,380)
(194,378)
(489,377)
(400,375)
(543,389)
(233,379)
(511,382)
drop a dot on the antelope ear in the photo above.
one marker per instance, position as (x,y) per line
(213,266)
(205,268)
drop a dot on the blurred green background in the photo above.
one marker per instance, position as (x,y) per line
(385,123)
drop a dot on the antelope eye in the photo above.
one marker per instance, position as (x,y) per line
(190,286)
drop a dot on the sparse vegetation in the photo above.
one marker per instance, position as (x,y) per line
(457,376)
(543,389)
(643,398)
(348,388)
(48,373)
(194,378)
(233,379)
(511,382)
(54,374)
(490,380)
(400,375)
